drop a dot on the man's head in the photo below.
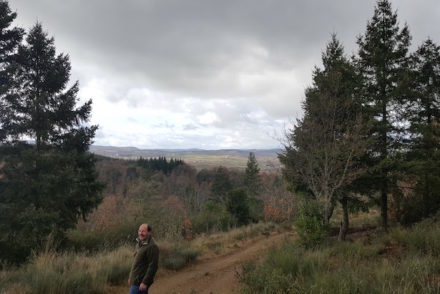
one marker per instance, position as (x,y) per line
(144,232)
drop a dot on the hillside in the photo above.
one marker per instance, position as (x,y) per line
(199,158)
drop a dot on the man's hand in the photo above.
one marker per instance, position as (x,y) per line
(142,287)
(129,284)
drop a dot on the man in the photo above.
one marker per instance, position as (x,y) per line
(145,262)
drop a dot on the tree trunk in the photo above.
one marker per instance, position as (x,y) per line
(345,222)
(384,207)
(384,156)
(330,213)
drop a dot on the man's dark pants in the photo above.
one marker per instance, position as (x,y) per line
(135,290)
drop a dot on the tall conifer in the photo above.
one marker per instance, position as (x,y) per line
(48,184)
(383,64)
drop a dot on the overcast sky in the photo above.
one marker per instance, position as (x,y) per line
(203,74)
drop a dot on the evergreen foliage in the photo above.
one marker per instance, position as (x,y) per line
(252,181)
(253,186)
(238,206)
(221,185)
(422,163)
(383,63)
(323,154)
(371,126)
(47,185)
(159,164)
(10,39)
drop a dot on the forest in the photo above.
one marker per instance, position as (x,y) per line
(357,199)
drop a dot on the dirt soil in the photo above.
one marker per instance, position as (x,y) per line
(215,275)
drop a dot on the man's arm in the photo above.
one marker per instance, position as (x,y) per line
(152,267)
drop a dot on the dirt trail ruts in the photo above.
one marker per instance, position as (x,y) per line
(216,275)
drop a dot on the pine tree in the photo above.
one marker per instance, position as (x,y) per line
(253,186)
(252,180)
(383,63)
(48,185)
(425,108)
(10,38)
(322,155)
(41,107)
(423,159)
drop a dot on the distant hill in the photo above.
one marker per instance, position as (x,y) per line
(231,158)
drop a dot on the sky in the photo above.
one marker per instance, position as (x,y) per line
(175,74)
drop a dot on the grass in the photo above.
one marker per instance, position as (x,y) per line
(176,256)
(404,261)
(68,272)
(224,242)
(96,270)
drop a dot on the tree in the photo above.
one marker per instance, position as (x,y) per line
(221,185)
(253,186)
(252,180)
(383,64)
(48,185)
(10,38)
(238,206)
(321,157)
(423,159)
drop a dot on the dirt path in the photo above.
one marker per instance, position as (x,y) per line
(216,275)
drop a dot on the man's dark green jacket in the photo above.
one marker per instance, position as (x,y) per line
(146,259)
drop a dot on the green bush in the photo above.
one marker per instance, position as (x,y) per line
(238,206)
(310,224)
(213,218)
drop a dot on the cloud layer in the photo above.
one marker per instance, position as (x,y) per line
(201,73)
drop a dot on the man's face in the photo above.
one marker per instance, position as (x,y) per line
(143,233)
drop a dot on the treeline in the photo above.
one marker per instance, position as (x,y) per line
(159,164)
(371,129)
(47,185)
(183,203)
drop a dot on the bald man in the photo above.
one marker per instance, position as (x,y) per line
(145,261)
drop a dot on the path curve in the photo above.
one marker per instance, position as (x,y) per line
(216,275)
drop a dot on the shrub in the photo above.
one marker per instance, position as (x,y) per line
(310,224)
(238,206)
(214,217)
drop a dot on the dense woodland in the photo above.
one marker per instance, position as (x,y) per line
(369,139)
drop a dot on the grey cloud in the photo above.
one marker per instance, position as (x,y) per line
(190,46)
(235,58)
(197,47)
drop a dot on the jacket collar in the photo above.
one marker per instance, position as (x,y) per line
(142,243)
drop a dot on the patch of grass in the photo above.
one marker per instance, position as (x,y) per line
(221,242)
(99,240)
(423,238)
(354,252)
(52,272)
(404,261)
(215,246)
(94,266)
(175,257)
